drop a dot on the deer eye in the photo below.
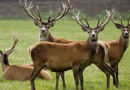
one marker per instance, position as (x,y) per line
(89,31)
(47,26)
(96,31)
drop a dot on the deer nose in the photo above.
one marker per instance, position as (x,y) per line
(126,34)
(43,31)
(93,35)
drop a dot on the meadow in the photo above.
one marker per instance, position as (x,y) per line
(28,34)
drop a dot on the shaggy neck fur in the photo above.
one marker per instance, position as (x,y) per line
(46,37)
(124,42)
(93,45)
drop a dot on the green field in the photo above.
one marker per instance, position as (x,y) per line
(28,35)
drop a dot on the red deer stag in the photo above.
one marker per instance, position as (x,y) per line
(45,34)
(15,72)
(96,57)
(76,55)
(117,48)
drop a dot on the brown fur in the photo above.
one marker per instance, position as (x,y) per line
(22,73)
(116,50)
(65,56)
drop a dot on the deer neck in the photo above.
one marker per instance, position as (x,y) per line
(5,63)
(46,37)
(124,42)
(93,47)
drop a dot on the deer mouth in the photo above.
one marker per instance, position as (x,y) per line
(126,36)
(94,39)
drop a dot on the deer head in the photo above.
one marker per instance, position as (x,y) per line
(4,56)
(44,26)
(124,29)
(93,32)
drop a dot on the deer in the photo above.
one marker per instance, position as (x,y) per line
(76,55)
(16,72)
(45,34)
(101,64)
(117,48)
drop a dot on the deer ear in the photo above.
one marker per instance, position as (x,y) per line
(37,23)
(129,27)
(83,28)
(52,24)
(101,28)
(119,26)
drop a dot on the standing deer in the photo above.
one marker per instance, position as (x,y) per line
(45,34)
(117,48)
(96,57)
(15,72)
(76,55)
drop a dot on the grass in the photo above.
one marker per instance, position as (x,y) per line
(28,34)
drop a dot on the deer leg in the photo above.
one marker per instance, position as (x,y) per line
(36,71)
(75,73)
(117,73)
(63,79)
(57,80)
(81,78)
(111,71)
(115,67)
(102,68)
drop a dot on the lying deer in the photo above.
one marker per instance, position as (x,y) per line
(117,48)
(45,34)
(76,55)
(15,72)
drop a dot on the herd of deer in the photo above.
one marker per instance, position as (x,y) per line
(59,55)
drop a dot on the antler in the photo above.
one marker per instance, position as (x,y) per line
(76,17)
(107,20)
(65,11)
(27,9)
(13,46)
(128,22)
(112,16)
(98,22)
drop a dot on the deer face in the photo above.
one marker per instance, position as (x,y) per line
(125,30)
(93,34)
(44,27)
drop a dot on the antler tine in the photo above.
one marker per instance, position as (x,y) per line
(112,16)
(49,16)
(38,11)
(86,21)
(76,17)
(65,11)
(128,21)
(107,20)
(102,22)
(98,21)
(27,9)
(121,20)
(13,46)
